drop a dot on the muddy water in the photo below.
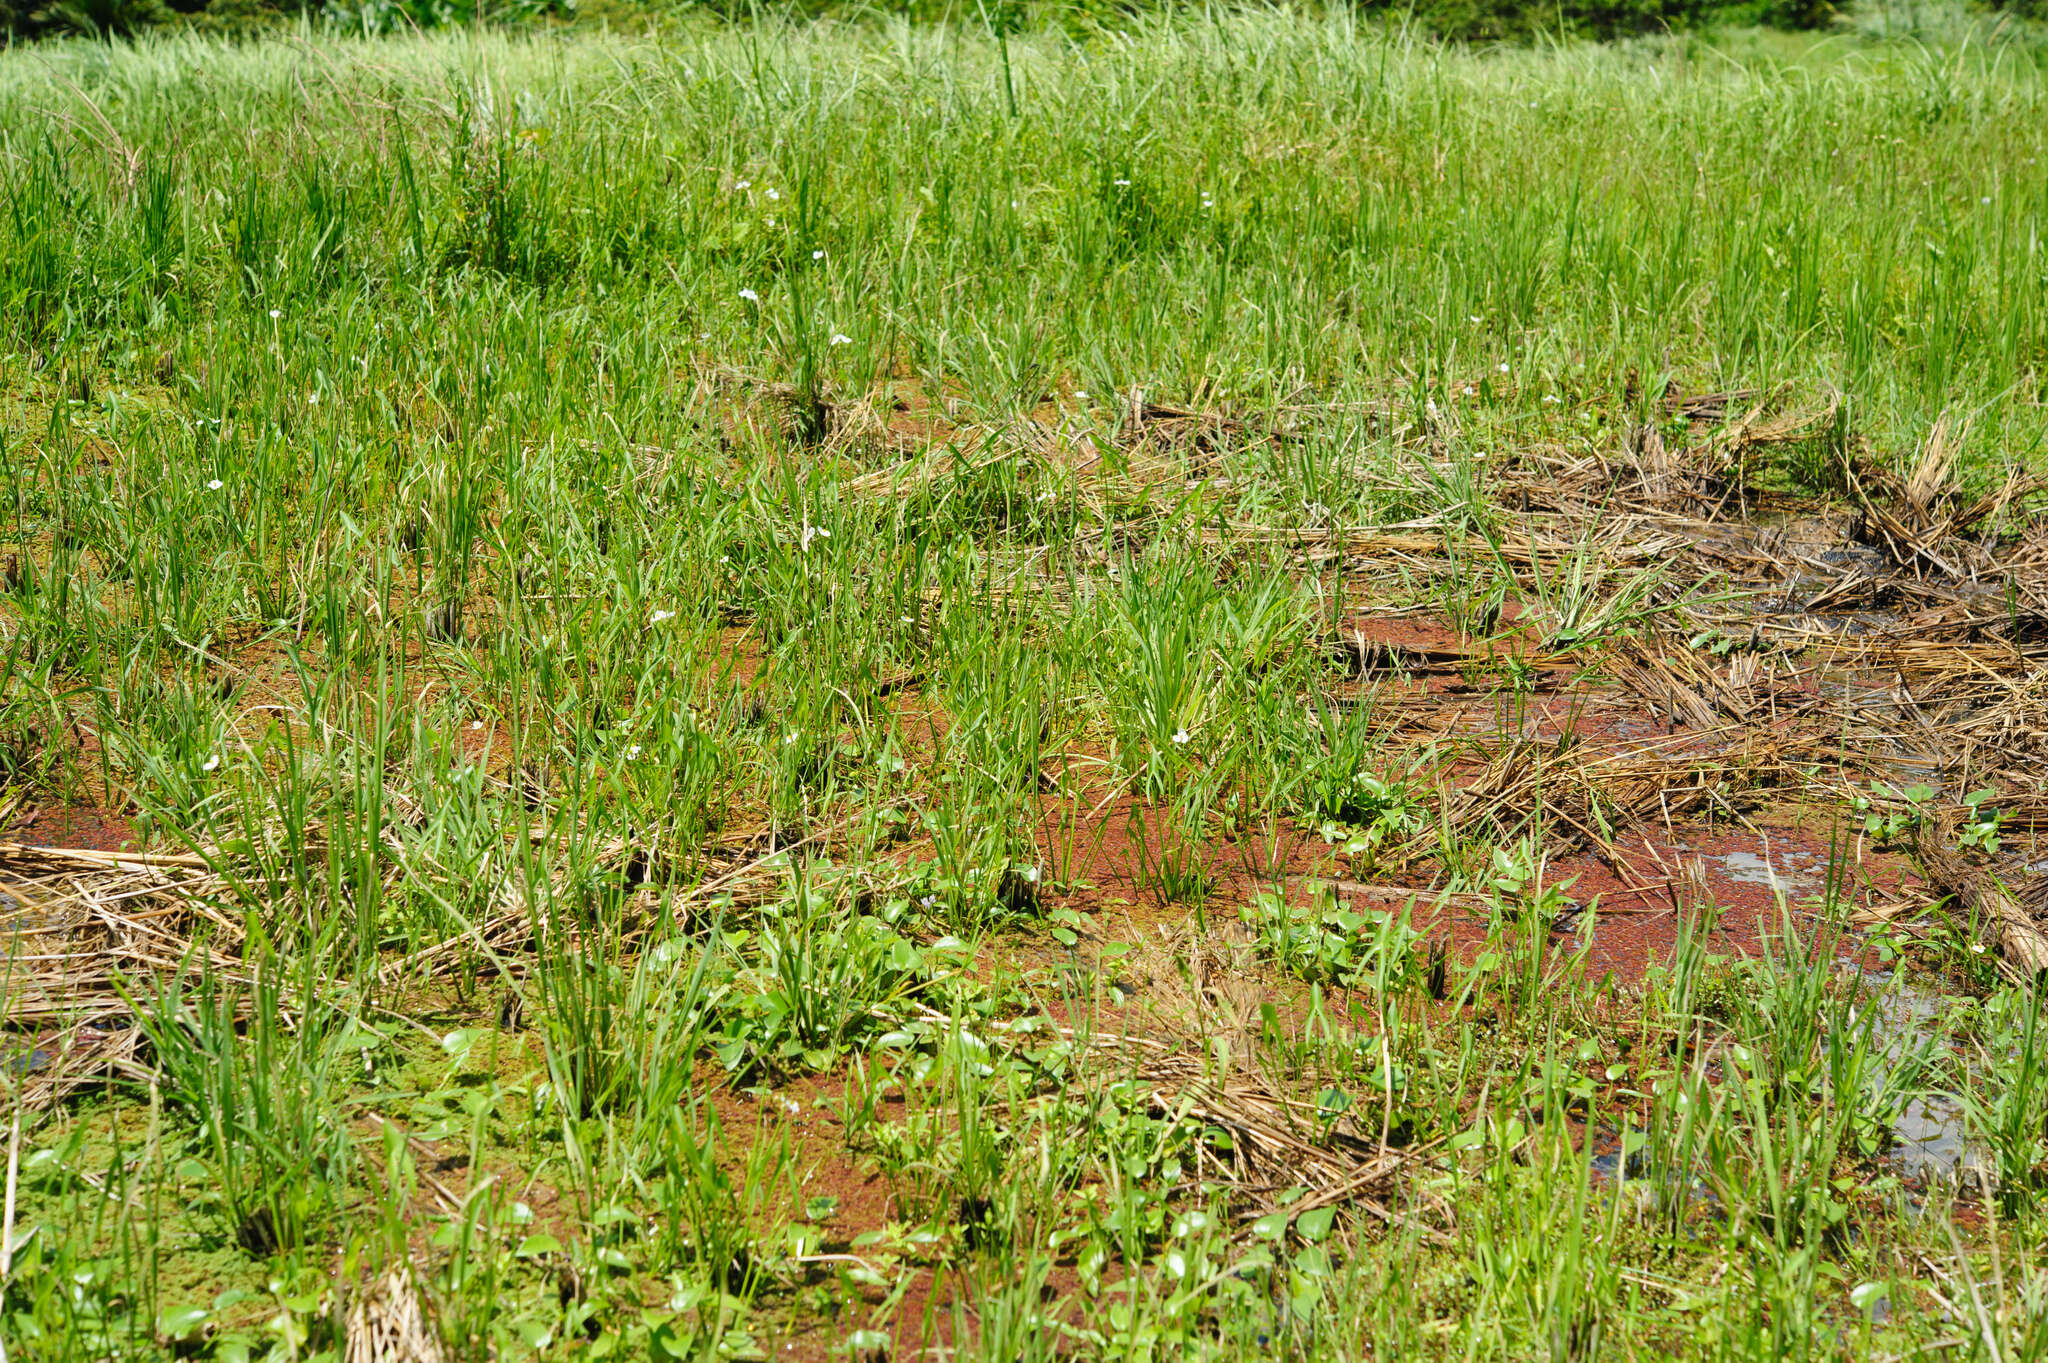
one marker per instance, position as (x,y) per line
(1783,873)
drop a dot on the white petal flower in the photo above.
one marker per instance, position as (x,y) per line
(817,255)
(276,313)
(1180,737)
(1503,367)
(841,338)
(743,184)
(1121,184)
(632,752)
(214,485)
(774,193)
(660,616)
(476,724)
(750,295)
(211,763)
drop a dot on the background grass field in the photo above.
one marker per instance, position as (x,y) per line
(622,587)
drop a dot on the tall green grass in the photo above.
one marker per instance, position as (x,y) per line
(1255,203)
(451,486)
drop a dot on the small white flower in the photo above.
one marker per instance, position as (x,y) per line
(1081,394)
(1475,321)
(276,313)
(841,338)
(1503,366)
(214,485)
(1180,737)
(1470,391)
(632,752)
(817,255)
(771,222)
(1121,184)
(791,737)
(725,558)
(660,616)
(1015,204)
(743,184)
(476,724)
(703,335)
(750,295)
(1987,198)
(211,763)
(774,194)
(312,399)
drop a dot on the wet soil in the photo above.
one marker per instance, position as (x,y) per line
(78,826)
(1760,879)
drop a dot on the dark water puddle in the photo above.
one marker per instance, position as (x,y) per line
(1930,1137)
(27,1061)
(1931,1140)
(1648,1191)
